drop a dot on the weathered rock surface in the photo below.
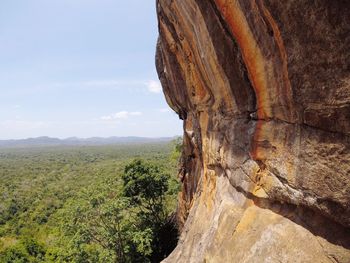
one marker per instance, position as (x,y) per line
(263,87)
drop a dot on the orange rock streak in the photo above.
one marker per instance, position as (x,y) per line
(252,55)
(287,91)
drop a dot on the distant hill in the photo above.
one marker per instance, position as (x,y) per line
(71,141)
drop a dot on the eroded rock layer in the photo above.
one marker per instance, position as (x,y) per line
(263,87)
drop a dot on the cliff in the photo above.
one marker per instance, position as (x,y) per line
(263,88)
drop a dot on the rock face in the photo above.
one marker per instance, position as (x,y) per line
(263,88)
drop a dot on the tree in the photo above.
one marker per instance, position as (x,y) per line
(14,254)
(127,219)
(26,250)
(177,145)
(105,217)
(145,184)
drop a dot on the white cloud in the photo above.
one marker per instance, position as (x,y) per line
(121,115)
(154,86)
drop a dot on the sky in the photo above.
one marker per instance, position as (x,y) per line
(81,68)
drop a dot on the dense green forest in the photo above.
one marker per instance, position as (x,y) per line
(88,204)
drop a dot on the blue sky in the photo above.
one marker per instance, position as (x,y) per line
(80,68)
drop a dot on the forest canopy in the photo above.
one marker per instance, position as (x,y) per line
(88,204)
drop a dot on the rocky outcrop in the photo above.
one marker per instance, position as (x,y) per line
(263,88)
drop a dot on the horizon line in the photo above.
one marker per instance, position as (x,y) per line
(90,137)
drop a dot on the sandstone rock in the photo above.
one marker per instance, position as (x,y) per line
(263,87)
